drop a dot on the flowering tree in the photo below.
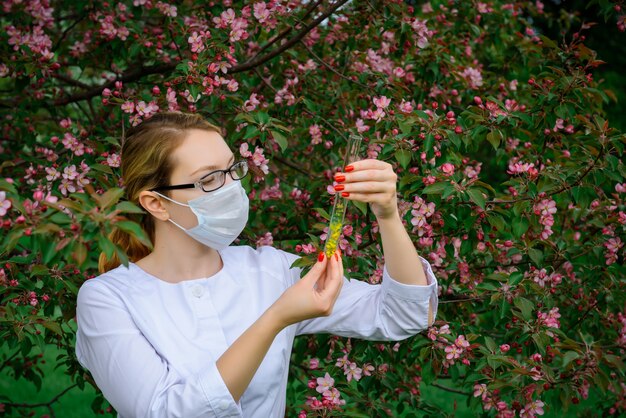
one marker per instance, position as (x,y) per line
(511,181)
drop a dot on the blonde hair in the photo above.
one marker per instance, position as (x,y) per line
(146,164)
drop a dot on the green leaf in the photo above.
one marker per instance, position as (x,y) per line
(128,207)
(110,197)
(494,137)
(53,326)
(436,188)
(280,139)
(496,221)
(477,197)
(519,226)
(403,156)
(323,212)
(6,186)
(536,256)
(525,306)
(490,344)
(568,357)
(135,230)
(303,262)
(362,206)
(251,132)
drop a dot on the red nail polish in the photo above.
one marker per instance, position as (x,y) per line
(349,168)
(320,257)
(339,187)
(336,257)
(339,178)
(345,194)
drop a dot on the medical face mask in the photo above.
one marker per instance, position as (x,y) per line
(221,214)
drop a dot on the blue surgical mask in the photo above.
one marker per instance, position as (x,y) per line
(222,215)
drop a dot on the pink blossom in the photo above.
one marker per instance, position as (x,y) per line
(532,409)
(353,372)
(405,107)
(381,102)
(447,169)
(114,160)
(243,150)
(316,134)
(266,239)
(333,396)
(505,347)
(453,352)
(314,363)
(251,103)
(5,204)
(620,187)
(324,383)
(473,77)
(259,160)
(480,389)
(461,342)
(128,107)
(361,126)
(536,373)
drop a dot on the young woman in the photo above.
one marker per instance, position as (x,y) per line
(195,327)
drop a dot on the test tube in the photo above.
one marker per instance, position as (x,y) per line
(339,207)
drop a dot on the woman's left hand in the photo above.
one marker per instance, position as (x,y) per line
(371,181)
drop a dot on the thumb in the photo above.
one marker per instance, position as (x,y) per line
(317,269)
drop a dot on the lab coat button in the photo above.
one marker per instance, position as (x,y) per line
(197,291)
(223,404)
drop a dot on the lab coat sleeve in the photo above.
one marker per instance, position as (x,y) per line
(130,373)
(390,311)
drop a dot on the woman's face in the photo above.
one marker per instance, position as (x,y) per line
(200,153)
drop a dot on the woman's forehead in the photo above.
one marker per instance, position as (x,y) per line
(200,149)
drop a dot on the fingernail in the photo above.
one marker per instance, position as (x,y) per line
(349,168)
(320,257)
(345,194)
(339,187)
(338,252)
(339,178)
(336,256)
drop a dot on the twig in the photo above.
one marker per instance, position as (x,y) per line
(41,404)
(460,392)
(332,69)
(285,32)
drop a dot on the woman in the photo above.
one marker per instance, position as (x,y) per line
(195,327)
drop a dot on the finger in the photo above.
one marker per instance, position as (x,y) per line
(366,187)
(335,279)
(369,163)
(384,174)
(367,197)
(317,270)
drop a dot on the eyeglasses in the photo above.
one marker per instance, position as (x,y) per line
(214,180)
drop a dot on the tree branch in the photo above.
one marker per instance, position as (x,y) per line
(141,71)
(128,77)
(255,62)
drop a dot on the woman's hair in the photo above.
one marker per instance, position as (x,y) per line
(146,164)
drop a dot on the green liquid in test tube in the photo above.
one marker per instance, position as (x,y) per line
(339,207)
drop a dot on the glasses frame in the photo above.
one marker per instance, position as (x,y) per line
(198,184)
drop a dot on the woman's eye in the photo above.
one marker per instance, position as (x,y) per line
(209,181)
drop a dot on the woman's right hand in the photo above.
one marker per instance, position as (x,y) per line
(314,295)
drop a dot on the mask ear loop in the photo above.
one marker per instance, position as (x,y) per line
(178,203)
(171,200)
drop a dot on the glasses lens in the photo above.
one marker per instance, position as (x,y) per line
(239,170)
(213,182)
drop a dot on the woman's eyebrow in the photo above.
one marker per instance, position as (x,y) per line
(212,167)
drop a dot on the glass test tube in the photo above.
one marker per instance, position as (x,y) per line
(339,207)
